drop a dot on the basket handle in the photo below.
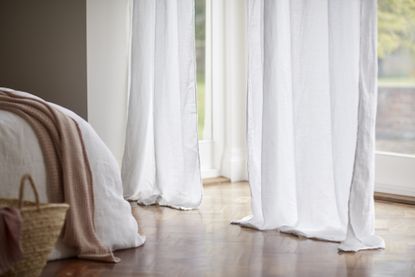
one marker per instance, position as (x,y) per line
(21,190)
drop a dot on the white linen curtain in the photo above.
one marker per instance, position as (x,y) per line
(161,159)
(311,119)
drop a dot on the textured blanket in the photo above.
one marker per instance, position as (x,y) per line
(68,173)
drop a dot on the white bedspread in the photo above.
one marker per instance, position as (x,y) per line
(20,153)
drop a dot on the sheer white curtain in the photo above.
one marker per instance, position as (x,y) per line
(161,159)
(311,119)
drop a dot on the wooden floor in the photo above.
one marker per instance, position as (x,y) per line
(203,243)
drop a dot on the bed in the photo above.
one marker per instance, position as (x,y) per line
(20,153)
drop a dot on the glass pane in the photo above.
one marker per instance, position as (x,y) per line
(395,129)
(200,20)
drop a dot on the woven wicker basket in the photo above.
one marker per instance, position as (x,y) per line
(42,224)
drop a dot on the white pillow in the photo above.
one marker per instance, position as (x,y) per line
(20,153)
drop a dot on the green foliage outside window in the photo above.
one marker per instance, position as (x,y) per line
(200,30)
(396,26)
(396,42)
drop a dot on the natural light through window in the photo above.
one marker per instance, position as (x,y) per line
(395,129)
(200,21)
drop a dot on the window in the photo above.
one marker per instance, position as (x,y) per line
(203,37)
(395,128)
(202,20)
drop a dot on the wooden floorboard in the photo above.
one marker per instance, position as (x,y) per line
(203,243)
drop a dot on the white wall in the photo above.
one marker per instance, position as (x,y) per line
(229,88)
(235,161)
(107,69)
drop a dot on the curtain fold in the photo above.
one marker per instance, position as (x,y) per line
(161,158)
(311,117)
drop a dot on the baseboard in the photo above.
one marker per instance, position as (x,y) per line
(395,189)
(209,173)
(395,198)
(216,180)
(234,165)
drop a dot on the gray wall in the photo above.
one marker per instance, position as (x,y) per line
(43,50)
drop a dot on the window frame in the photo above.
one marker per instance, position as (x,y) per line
(395,173)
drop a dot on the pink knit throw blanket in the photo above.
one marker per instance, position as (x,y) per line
(68,172)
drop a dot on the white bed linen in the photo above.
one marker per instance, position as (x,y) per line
(20,153)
